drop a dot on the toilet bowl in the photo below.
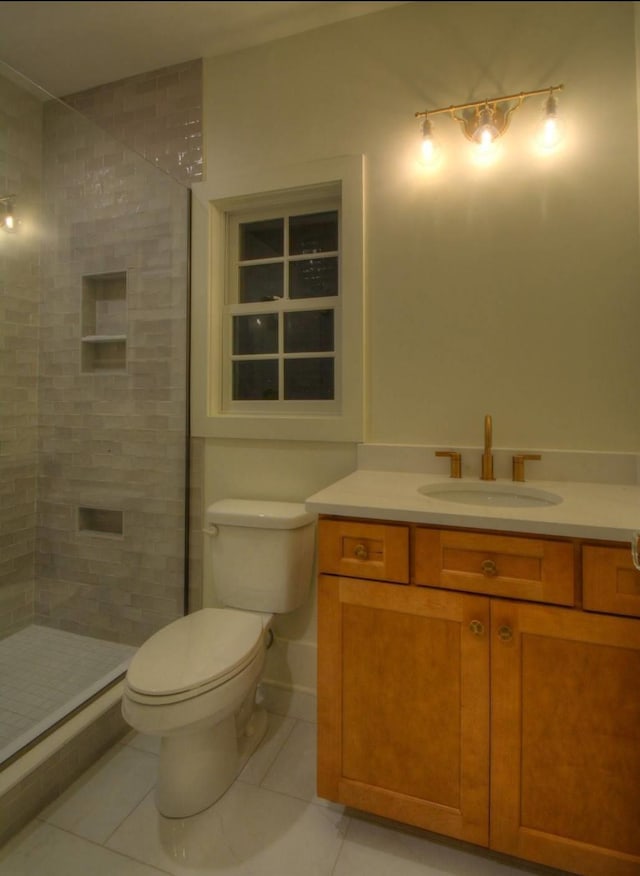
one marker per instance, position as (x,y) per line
(194,684)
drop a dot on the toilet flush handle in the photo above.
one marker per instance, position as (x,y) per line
(212,530)
(270,638)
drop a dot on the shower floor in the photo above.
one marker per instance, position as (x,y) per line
(44,674)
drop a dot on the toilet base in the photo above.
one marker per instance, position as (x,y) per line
(197,768)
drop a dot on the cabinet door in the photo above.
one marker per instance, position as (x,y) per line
(565,773)
(403,704)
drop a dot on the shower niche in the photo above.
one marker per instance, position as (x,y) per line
(104,322)
(100,521)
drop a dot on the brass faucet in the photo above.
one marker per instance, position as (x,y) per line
(487,456)
(518,464)
(455,468)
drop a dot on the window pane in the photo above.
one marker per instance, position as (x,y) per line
(262,240)
(256,380)
(261,282)
(316,232)
(308,331)
(313,278)
(308,379)
(255,334)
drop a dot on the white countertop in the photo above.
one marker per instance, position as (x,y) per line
(588,510)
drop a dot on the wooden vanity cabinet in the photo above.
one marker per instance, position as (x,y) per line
(509,723)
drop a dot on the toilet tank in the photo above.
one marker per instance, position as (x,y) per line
(261,553)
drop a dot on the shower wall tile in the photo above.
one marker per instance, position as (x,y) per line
(112,440)
(157,114)
(20,174)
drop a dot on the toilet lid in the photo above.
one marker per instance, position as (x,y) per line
(196,650)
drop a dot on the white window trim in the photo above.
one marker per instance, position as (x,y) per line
(210,204)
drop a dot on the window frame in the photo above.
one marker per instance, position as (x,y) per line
(234,307)
(322,182)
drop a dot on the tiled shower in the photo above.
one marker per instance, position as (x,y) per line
(94,445)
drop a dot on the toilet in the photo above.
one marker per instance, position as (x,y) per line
(194,682)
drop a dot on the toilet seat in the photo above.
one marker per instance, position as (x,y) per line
(193,655)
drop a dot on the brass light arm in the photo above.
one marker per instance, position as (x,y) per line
(520,97)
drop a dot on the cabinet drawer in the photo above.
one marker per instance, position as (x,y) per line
(497,565)
(364,550)
(610,581)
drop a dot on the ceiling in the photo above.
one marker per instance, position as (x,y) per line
(66,47)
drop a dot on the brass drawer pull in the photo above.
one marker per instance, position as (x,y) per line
(477,628)
(505,633)
(361,552)
(489,568)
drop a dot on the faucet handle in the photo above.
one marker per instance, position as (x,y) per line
(518,464)
(455,470)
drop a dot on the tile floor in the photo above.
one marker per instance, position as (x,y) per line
(269,823)
(46,673)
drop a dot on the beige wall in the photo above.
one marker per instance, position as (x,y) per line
(511,289)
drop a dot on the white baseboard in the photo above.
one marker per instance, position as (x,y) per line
(293,702)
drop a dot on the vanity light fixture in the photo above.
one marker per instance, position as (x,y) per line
(485,121)
(7,217)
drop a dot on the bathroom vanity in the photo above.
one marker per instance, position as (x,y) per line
(479,667)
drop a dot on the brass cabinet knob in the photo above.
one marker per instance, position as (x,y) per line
(518,464)
(505,633)
(361,552)
(489,568)
(477,628)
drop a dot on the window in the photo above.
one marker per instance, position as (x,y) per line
(277,304)
(282,309)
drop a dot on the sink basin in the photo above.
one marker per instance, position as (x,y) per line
(491,495)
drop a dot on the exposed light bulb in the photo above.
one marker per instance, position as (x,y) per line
(486,136)
(551,130)
(7,219)
(486,132)
(430,149)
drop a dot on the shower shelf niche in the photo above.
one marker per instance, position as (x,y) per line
(100,521)
(104,322)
